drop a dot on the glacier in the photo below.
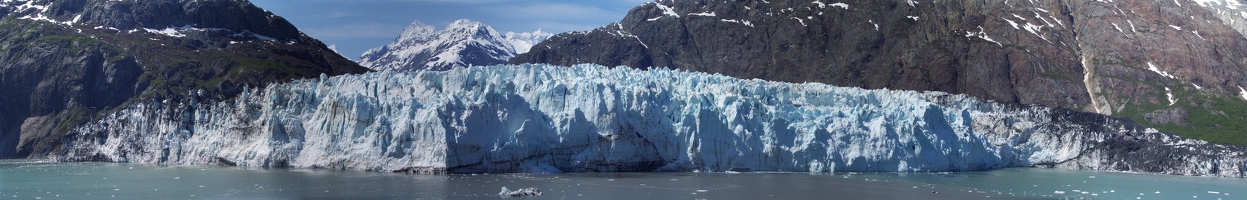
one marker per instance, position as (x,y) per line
(543,118)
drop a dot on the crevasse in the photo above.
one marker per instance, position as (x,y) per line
(541,118)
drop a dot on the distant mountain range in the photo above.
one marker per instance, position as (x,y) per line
(66,62)
(1180,66)
(461,44)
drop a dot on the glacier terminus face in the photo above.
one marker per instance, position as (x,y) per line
(542,118)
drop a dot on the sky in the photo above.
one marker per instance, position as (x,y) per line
(354,26)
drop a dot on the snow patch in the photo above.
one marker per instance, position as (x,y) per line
(1242,92)
(1011,23)
(744,22)
(1153,68)
(1169,95)
(799,20)
(1131,26)
(169,31)
(704,14)
(982,34)
(841,5)
(667,10)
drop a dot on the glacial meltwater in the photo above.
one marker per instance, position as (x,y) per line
(36,179)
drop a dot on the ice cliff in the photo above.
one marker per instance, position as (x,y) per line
(539,118)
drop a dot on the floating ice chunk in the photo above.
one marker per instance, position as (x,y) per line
(1058,192)
(525,192)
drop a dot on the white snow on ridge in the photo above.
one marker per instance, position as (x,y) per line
(704,14)
(171,32)
(667,10)
(541,118)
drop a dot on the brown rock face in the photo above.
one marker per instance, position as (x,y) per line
(1119,58)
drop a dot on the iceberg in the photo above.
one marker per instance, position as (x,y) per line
(543,118)
(522,192)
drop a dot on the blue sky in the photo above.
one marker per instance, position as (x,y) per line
(358,25)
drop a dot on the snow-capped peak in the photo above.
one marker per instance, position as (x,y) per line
(417,31)
(522,42)
(462,43)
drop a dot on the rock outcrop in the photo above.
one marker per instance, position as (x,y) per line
(1123,58)
(66,62)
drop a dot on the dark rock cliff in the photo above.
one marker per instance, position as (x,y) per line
(65,62)
(1125,58)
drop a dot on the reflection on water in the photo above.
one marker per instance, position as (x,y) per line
(30,179)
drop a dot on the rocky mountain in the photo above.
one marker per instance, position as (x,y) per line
(588,118)
(1175,65)
(463,43)
(66,62)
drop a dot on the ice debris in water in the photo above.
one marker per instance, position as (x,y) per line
(524,192)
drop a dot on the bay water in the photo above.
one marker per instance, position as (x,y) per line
(37,179)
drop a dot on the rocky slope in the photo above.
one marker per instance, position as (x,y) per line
(541,118)
(1175,65)
(65,62)
(463,43)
